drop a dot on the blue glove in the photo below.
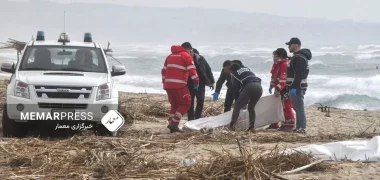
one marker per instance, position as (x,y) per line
(270,90)
(293,92)
(196,86)
(215,96)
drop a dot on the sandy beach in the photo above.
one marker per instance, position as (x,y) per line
(76,56)
(145,132)
(341,125)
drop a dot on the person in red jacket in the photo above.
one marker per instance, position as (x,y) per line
(278,82)
(274,72)
(178,66)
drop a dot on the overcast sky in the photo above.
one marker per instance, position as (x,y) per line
(358,10)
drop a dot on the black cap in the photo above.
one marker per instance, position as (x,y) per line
(294,41)
(187,45)
(195,51)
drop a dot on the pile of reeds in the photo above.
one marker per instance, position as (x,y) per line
(107,158)
(80,158)
(152,107)
(225,165)
(213,109)
(143,108)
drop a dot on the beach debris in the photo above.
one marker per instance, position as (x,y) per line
(322,108)
(327,110)
(14,44)
(303,167)
(213,110)
(249,165)
(126,157)
(188,162)
(108,50)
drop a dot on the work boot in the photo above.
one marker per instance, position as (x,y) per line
(301,131)
(174,128)
(251,129)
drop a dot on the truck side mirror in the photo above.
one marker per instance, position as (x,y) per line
(8,66)
(118,70)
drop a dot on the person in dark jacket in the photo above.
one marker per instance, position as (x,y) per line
(225,76)
(298,70)
(247,89)
(206,78)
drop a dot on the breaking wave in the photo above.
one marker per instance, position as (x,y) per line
(350,101)
(314,63)
(367,56)
(368,46)
(340,47)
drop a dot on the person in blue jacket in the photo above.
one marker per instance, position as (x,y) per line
(247,90)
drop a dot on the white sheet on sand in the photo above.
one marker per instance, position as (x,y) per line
(366,150)
(268,110)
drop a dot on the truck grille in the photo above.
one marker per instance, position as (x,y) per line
(63,92)
(61,106)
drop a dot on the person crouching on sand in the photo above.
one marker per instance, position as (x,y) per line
(247,90)
(177,68)
(278,82)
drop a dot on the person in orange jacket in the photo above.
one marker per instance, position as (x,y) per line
(278,82)
(178,66)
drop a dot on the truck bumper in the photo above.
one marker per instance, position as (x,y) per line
(24,110)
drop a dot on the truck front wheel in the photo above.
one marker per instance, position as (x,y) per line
(11,128)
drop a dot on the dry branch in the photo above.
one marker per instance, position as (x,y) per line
(14,44)
(227,166)
(303,167)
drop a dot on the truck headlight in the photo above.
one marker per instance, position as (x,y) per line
(22,90)
(103,92)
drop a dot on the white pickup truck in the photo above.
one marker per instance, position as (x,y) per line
(72,79)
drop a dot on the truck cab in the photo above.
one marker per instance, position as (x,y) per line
(72,78)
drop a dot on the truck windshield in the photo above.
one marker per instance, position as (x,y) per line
(63,58)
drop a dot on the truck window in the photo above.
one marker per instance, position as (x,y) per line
(63,58)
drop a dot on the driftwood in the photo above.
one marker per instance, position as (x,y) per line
(303,167)
(108,50)
(327,110)
(14,44)
(324,109)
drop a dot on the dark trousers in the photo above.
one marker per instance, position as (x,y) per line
(250,95)
(200,95)
(228,100)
